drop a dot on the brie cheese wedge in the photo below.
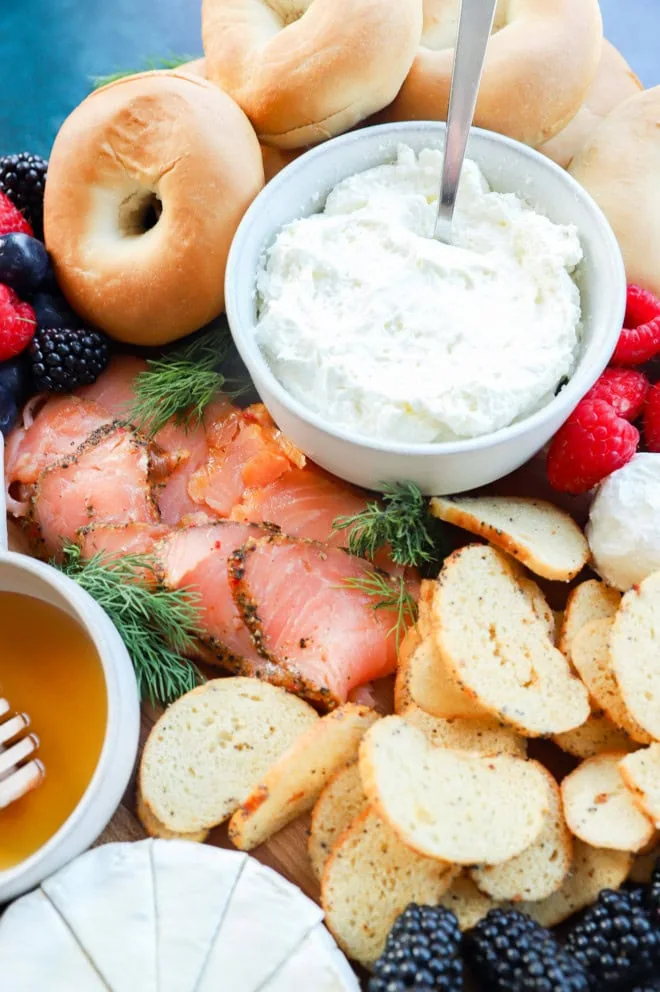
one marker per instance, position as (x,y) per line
(106,897)
(38,951)
(168,916)
(267,918)
(193,889)
(317,956)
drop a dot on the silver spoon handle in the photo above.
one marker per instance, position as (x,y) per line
(474,28)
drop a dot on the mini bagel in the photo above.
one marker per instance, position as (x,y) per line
(274,159)
(305,70)
(541,61)
(619,166)
(148,180)
(615,82)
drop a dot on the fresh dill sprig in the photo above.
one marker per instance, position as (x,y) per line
(401,520)
(169,62)
(388,592)
(157,625)
(182,383)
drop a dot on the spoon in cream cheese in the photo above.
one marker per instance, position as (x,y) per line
(474,29)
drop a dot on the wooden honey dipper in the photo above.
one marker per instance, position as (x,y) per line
(18,776)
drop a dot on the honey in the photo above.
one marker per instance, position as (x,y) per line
(49,668)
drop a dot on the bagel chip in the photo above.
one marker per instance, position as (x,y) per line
(451,805)
(499,650)
(340,803)
(592,659)
(600,810)
(292,785)
(541,536)
(370,878)
(541,869)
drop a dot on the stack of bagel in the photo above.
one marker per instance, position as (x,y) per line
(150,176)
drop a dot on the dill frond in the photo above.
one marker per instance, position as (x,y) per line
(388,592)
(183,383)
(169,62)
(400,521)
(157,625)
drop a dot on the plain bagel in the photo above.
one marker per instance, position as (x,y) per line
(305,70)
(275,159)
(148,180)
(615,82)
(620,166)
(541,61)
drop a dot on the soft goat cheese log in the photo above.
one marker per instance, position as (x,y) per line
(372,323)
(168,916)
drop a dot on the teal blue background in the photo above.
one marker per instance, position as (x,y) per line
(50,48)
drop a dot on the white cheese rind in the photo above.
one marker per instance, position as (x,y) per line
(168,916)
(317,964)
(194,885)
(265,922)
(106,897)
(39,952)
(624,523)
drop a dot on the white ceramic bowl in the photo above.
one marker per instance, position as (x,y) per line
(300,189)
(20,574)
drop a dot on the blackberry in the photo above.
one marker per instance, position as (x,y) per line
(23,178)
(510,952)
(64,358)
(653,896)
(422,954)
(616,942)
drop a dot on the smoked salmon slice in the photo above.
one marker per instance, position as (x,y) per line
(304,502)
(189,445)
(107,480)
(196,558)
(49,431)
(117,540)
(246,451)
(292,595)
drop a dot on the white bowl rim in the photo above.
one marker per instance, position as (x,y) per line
(88,613)
(568,397)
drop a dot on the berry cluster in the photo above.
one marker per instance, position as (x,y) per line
(600,437)
(613,947)
(43,346)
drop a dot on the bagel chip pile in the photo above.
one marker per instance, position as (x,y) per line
(446,800)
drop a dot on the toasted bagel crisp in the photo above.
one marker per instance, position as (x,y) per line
(541,536)
(292,785)
(600,810)
(370,878)
(499,650)
(451,805)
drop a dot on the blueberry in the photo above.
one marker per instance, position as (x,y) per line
(23,262)
(53,312)
(8,410)
(14,376)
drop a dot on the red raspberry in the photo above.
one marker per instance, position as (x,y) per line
(652,418)
(639,340)
(624,389)
(17,324)
(593,443)
(12,220)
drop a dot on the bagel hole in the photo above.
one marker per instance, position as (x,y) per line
(139,212)
(289,11)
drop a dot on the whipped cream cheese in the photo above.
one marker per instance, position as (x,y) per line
(624,523)
(370,322)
